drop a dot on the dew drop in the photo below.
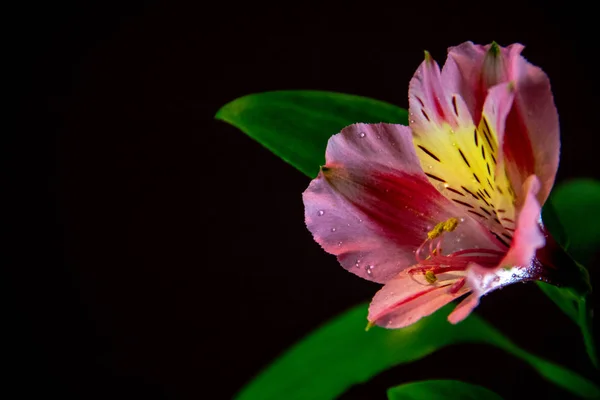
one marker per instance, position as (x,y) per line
(514,275)
(378,136)
(369,269)
(339,244)
(333,229)
(362,134)
(320,212)
(430,167)
(412,121)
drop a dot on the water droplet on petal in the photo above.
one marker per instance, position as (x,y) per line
(369,269)
(362,134)
(320,212)
(333,229)
(339,244)
(412,121)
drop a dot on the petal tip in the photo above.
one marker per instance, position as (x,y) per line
(494,49)
(428,58)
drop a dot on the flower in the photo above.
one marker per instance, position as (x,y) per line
(451,204)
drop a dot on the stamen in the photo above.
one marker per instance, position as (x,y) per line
(483,251)
(457,286)
(435,269)
(451,224)
(436,231)
(446,226)
(430,277)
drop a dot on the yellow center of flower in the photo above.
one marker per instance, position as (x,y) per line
(462,163)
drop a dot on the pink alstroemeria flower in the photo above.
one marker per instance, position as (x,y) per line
(451,204)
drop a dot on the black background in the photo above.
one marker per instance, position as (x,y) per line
(161,254)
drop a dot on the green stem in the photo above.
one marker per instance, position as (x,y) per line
(585,320)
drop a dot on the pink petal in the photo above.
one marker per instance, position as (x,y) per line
(407,298)
(528,236)
(464,308)
(459,159)
(517,264)
(470,70)
(531,144)
(429,102)
(498,104)
(372,206)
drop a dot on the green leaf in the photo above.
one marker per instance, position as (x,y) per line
(575,205)
(296,124)
(564,298)
(572,216)
(340,354)
(440,390)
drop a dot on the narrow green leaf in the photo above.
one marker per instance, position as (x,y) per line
(564,298)
(340,354)
(572,215)
(440,390)
(296,124)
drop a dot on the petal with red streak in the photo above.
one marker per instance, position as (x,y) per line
(528,236)
(407,298)
(517,264)
(460,159)
(372,206)
(471,70)
(531,144)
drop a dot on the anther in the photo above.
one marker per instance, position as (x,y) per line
(430,277)
(436,231)
(450,224)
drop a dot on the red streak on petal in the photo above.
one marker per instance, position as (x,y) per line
(396,201)
(438,107)
(517,145)
(406,300)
